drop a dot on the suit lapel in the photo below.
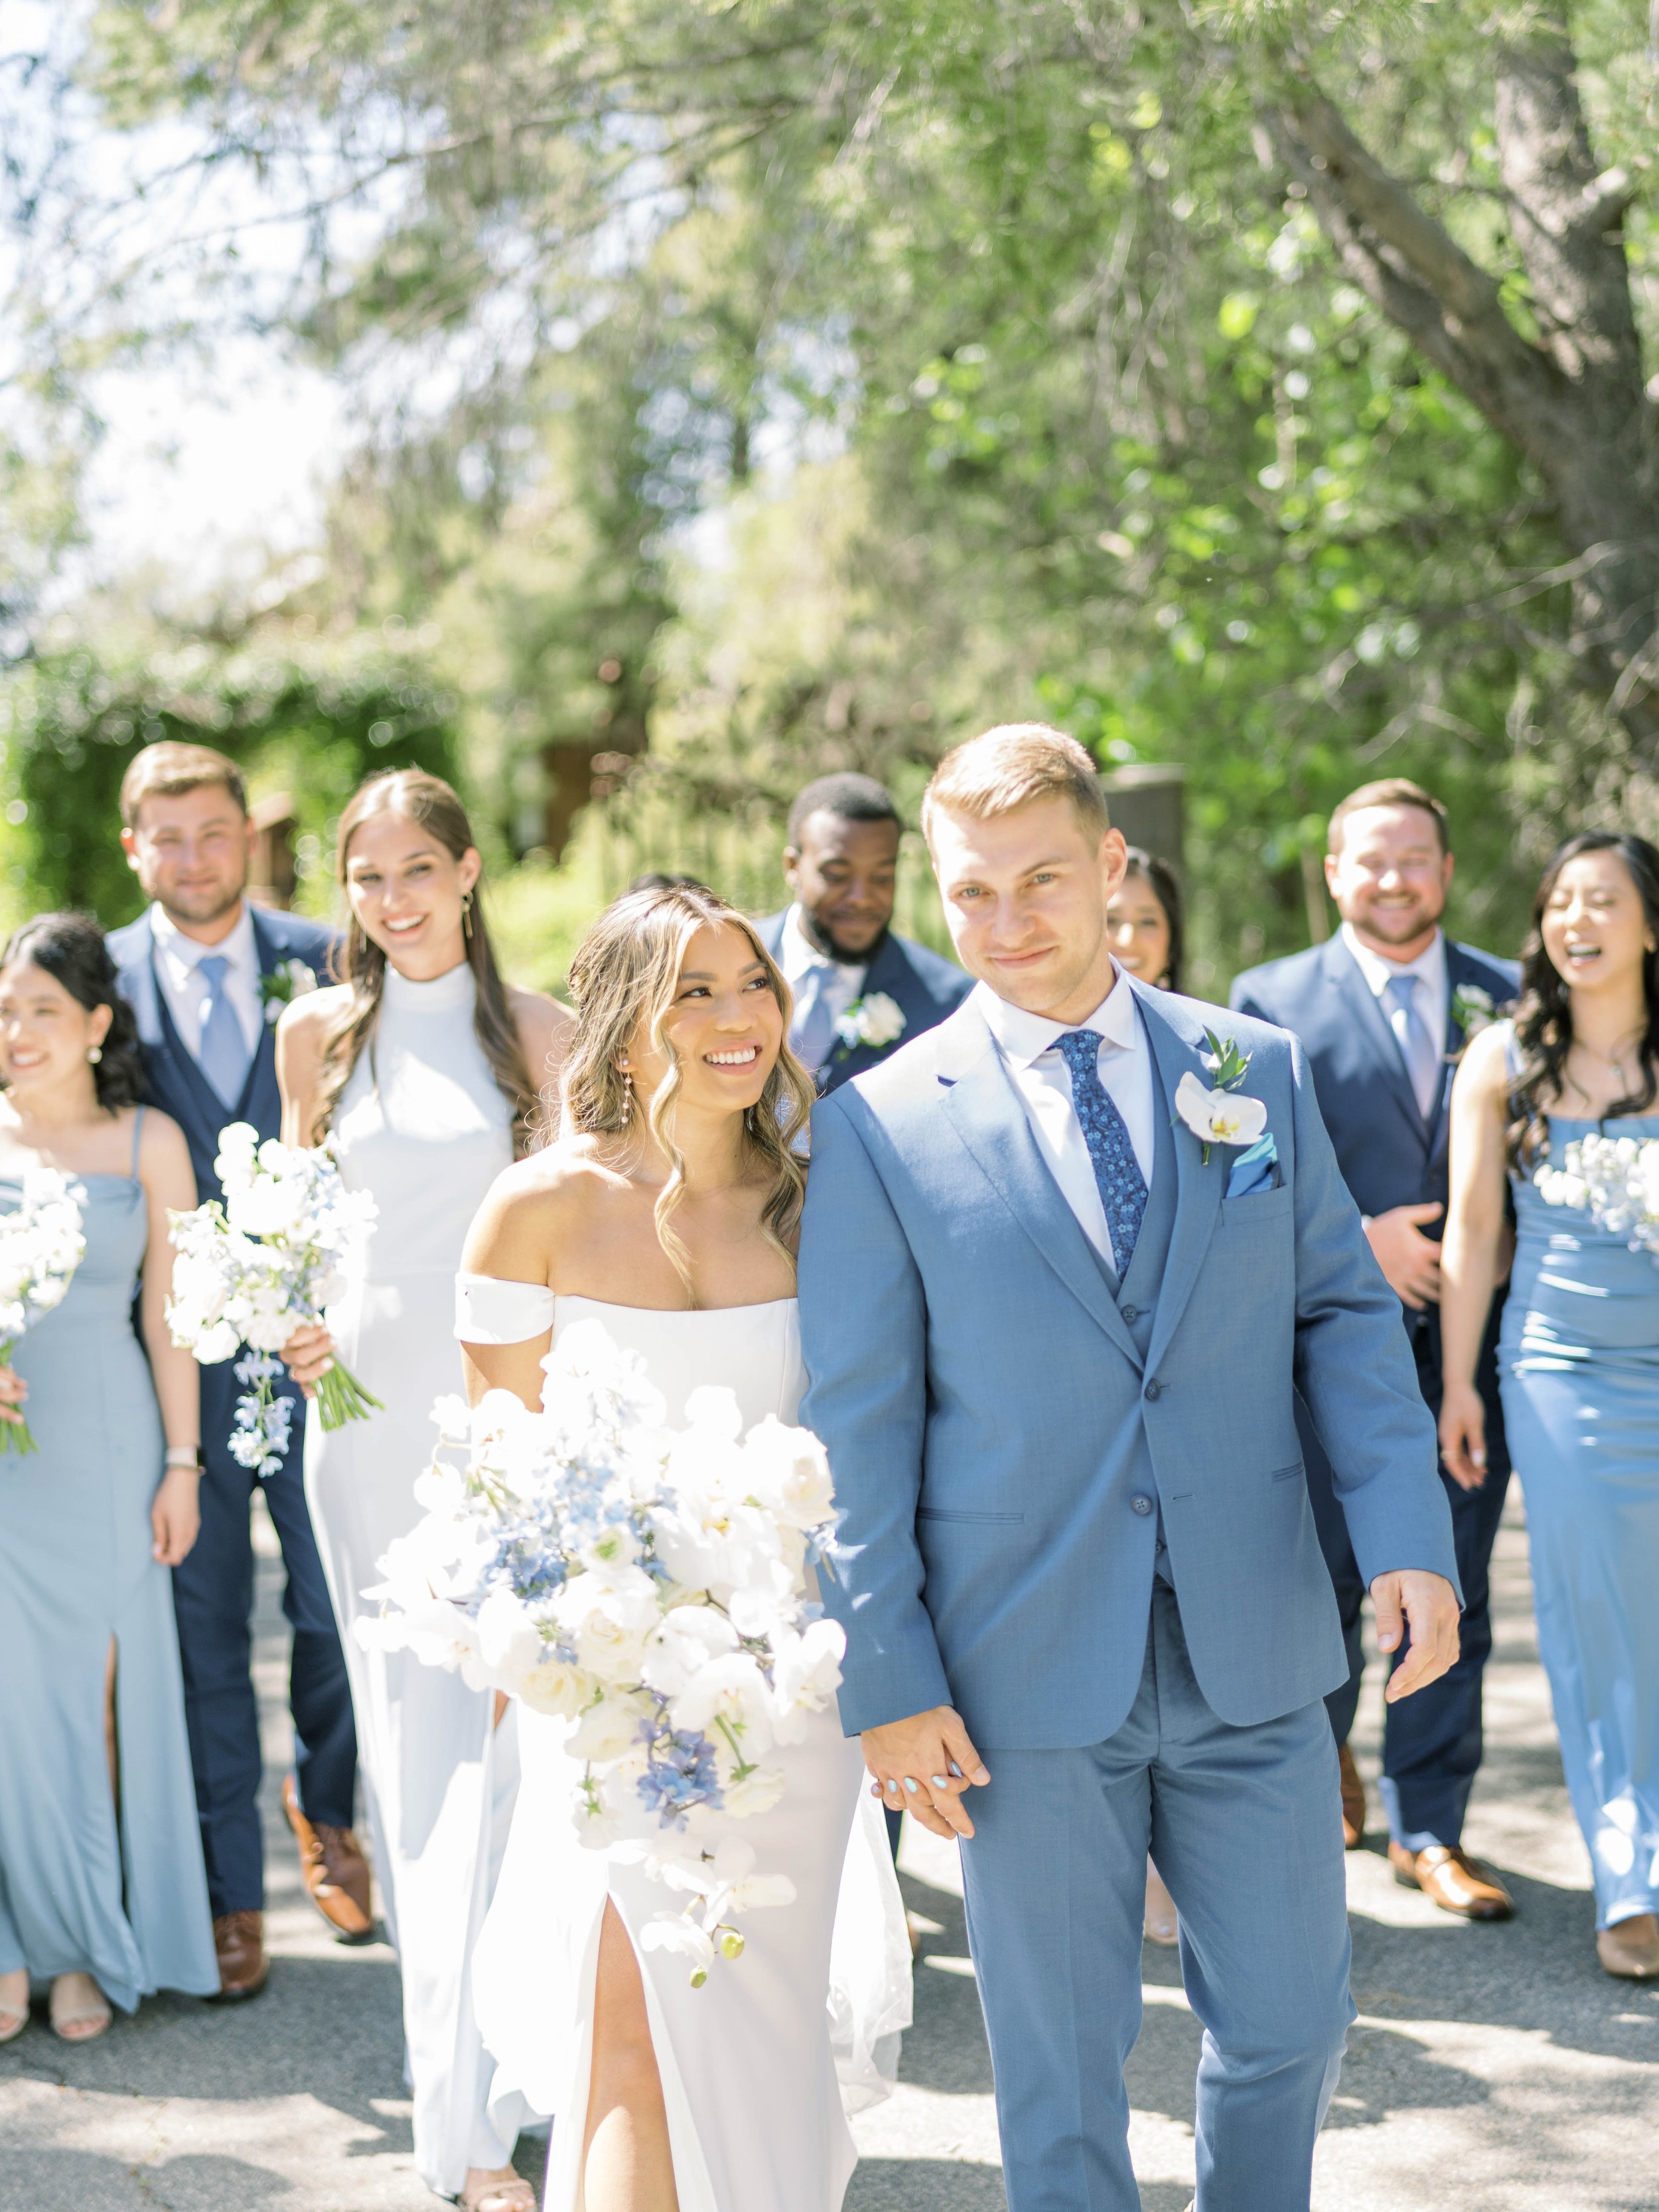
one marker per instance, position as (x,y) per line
(1198,1187)
(1366,1008)
(988,1115)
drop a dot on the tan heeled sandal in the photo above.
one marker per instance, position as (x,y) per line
(84,2025)
(505,2192)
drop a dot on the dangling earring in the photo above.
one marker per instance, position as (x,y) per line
(94,1054)
(466,913)
(628,1098)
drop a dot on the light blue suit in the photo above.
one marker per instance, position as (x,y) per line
(1075,1508)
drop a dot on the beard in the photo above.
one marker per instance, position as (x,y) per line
(1401,924)
(200,907)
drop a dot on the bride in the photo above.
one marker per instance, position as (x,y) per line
(668,1209)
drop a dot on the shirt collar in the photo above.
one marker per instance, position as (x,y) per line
(1379,973)
(1025,1037)
(188,953)
(797,955)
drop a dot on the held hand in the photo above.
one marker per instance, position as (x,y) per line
(176,1516)
(1463,1434)
(922,1765)
(1428,1604)
(1410,1260)
(308,1355)
(12,1392)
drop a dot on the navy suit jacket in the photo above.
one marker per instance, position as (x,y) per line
(176,1084)
(1389,1155)
(924,986)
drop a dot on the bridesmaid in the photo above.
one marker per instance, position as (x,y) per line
(1145,924)
(424,1070)
(1578,1358)
(102,1889)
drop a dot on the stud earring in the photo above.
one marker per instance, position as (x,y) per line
(94,1054)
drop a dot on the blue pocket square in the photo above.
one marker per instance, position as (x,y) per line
(1255,1168)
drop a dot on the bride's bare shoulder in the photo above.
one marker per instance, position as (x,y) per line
(539,1202)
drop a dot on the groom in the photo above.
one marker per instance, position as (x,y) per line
(1053,1334)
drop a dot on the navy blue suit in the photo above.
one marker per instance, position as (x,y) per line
(924,986)
(212,1591)
(1389,1156)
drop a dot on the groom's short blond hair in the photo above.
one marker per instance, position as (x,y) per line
(1009,766)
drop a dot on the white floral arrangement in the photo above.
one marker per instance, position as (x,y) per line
(287,980)
(1615,1180)
(875,1020)
(1472,1010)
(41,1245)
(268,1259)
(649,1587)
(1221,1114)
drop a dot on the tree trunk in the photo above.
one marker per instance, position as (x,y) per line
(1571,402)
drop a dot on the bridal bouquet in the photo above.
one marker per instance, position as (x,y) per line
(1615,1180)
(41,1245)
(253,1268)
(648,1587)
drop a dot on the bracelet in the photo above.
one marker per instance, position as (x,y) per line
(184,1455)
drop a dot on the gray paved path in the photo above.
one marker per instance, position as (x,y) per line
(1493,2069)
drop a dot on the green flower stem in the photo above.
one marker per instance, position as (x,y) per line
(745,1767)
(15,1435)
(342,1398)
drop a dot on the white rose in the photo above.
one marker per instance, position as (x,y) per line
(606,1619)
(790,1472)
(610,1727)
(683,1642)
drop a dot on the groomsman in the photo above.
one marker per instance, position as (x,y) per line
(1381,1011)
(207,975)
(859,989)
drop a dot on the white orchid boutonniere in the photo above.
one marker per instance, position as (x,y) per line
(1472,1010)
(287,980)
(1221,1115)
(874,1020)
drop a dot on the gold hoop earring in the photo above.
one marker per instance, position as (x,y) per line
(466,913)
(94,1054)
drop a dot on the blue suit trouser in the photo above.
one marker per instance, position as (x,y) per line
(213,1599)
(1431,1741)
(1243,1824)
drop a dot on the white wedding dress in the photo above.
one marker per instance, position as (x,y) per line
(423,1125)
(760,2066)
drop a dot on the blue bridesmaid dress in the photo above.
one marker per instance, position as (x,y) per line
(121,1898)
(1579,1367)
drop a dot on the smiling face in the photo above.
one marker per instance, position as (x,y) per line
(843,874)
(406,889)
(1026,895)
(1389,878)
(724,1024)
(1138,929)
(46,1033)
(190,851)
(1595,931)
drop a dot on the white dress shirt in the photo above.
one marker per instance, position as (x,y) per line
(1433,993)
(186,992)
(1029,1048)
(798,956)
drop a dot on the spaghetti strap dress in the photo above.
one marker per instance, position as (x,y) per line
(120,1893)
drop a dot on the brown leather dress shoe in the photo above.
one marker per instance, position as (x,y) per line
(239,1939)
(1353,1800)
(1630,1949)
(334,1870)
(1453,1881)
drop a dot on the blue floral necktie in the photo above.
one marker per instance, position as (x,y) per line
(1117,1171)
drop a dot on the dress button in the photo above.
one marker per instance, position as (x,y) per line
(1132,1315)
(1154,1388)
(1141,1505)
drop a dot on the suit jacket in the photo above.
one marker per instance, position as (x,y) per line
(176,1084)
(992,1419)
(924,986)
(1389,1155)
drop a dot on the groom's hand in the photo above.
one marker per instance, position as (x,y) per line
(922,1765)
(1428,1605)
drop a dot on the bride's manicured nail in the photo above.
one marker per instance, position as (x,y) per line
(956,1769)
(941,1782)
(910,1783)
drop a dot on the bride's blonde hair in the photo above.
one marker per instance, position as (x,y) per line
(626,973)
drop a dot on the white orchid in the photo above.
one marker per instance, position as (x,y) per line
(1615,1180)
(1219,1117)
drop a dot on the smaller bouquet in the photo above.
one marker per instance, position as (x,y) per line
(1615,1180)
(253,1268)
(41,1245)
(647,1586)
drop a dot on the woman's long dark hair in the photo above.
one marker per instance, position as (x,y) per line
(1543,1017)
(429,801)
(70,949)
(1160,879)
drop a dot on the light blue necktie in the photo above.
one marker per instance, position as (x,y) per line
(223,1054)
(814,1036)
(1117,1171)
(1417,1049)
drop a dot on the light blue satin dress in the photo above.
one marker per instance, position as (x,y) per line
(124,1898)
(1579,1366)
